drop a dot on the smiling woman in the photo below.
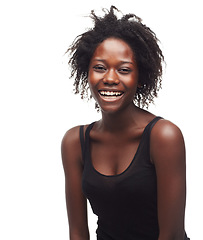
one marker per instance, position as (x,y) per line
(113,75)
(130,164)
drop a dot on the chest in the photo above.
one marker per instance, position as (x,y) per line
(112,155)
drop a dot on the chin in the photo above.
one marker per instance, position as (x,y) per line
(111,109)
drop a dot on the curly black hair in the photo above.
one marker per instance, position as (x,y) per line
(140,38)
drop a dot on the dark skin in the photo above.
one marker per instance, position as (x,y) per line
(113,79)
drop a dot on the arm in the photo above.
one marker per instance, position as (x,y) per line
(168,156)
(75,200)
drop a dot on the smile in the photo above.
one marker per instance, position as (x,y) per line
(110,93)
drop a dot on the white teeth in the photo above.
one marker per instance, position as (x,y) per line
(110,93)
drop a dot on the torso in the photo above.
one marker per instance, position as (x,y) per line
(120,182)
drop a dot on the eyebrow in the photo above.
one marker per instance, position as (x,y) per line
(122,62)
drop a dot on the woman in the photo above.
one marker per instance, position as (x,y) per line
(130,165)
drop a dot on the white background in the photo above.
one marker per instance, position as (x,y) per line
(38,106)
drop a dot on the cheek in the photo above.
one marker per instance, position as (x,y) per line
(92,82)
(90,79)
(132,84)
(132,81)
(93,78)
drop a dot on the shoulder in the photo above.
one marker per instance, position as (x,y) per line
(71,137)
(70,146)
(166,140)
(166,131)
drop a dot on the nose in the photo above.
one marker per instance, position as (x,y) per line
(111,77)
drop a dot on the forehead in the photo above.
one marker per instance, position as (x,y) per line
(113,47)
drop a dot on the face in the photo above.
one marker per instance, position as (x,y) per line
(113,75)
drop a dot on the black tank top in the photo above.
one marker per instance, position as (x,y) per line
(126,204)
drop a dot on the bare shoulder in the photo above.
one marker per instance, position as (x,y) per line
(166,139)
(70,147)
(166,131)
(71,137)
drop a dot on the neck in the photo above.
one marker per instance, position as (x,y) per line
(121,120)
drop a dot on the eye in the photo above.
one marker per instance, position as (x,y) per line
(99,68)
(124,70)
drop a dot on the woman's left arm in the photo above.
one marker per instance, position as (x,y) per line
(168,155)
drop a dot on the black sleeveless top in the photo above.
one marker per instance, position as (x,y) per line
(126,204)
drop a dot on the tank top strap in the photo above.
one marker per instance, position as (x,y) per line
(143,153)
(152,123)
(148,129)
(87,132)
(83,137)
